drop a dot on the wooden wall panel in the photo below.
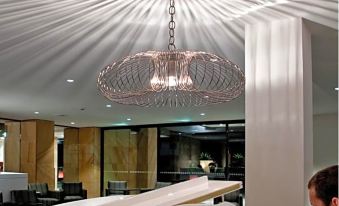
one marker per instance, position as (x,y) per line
(12,147)
(89,160)
(71,155)
(37,151)
(28,149)
(116,149)
(147,157)
(132,161)
(152,156)
(131,156)
(142,163)
(45,168)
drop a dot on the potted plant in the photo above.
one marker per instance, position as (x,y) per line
(205,160)
(238,159)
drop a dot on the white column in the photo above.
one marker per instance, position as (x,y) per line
(278,112)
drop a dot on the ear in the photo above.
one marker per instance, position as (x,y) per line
(335,201)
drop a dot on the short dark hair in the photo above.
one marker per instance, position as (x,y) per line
(325,183)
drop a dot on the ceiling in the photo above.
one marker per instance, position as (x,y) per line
(205,131)
(44,43)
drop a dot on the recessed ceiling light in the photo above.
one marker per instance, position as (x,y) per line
(128,119)
(120,124)
(72,122)
(108,105)
(337,88)
(36,112)
(184,120)
(202,114)
(70,80)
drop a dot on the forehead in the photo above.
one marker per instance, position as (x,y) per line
(314,200)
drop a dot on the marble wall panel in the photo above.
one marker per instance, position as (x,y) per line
(28,150)
(37,151)
(89,160)
(12,147)
(131,156)
(45,168)
(71,155)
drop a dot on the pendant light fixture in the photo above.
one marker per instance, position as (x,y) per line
(171,78)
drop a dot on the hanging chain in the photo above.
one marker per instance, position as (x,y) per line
(171,26)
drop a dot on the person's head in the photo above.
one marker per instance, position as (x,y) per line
(323,187)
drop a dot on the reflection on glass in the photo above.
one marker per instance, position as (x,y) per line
(130,155)
(187,152)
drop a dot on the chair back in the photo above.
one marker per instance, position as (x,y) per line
(234,197)
(72,188)
(41,188)
(1,199)
(23,197)
(115,186)
(162,184)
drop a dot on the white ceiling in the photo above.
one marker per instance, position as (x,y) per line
(45,42)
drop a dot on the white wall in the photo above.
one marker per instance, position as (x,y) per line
(278,113)
(325,140)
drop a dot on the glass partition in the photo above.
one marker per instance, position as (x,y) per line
(144,156)
(2,145)
(235,169)
(130,155)
(187,152)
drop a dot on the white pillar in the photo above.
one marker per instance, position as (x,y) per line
(278,113)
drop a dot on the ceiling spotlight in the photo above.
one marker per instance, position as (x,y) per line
(108,105)
(128,119)
(70,80)
(202,114)
(72,123)
(184,120)
(337,88)
(36,112)
(120,124)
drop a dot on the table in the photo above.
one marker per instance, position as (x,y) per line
(12,181)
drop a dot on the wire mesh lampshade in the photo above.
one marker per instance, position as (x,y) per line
(171,78)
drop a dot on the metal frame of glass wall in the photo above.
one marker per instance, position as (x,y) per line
(230,161)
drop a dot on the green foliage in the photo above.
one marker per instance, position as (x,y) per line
(238,156)
(205,156)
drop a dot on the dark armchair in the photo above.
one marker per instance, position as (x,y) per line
(23,197)
(159,185)
(1,200)
(235,198)
(45,196)
(116,188)
(73,192)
